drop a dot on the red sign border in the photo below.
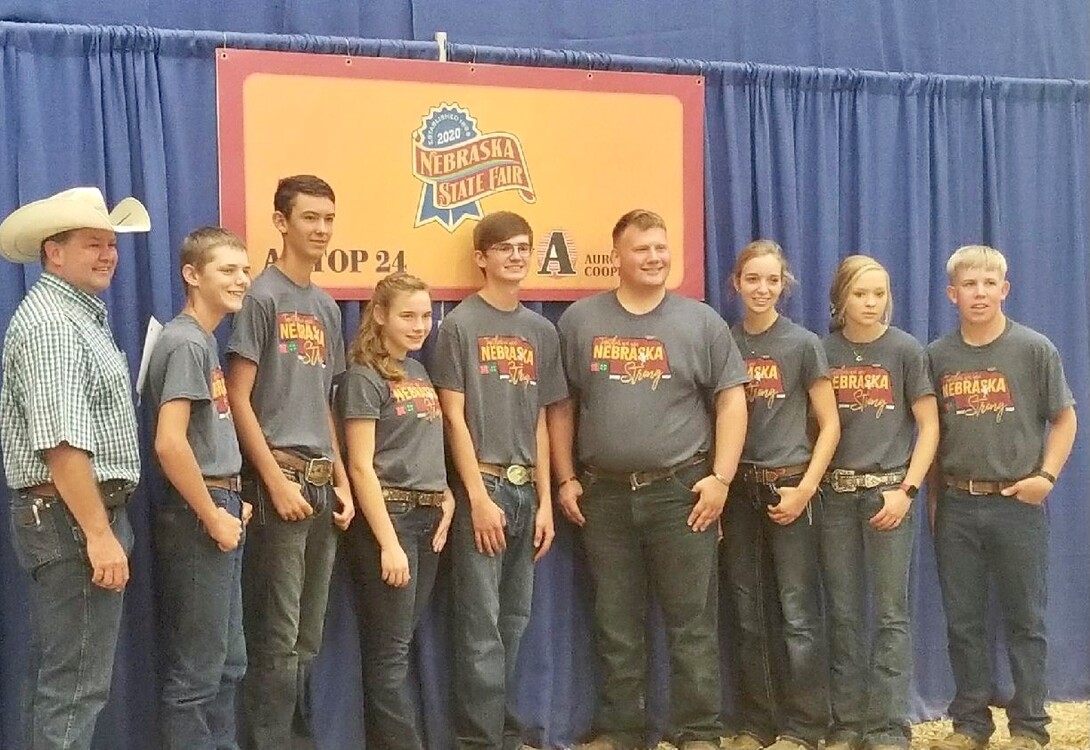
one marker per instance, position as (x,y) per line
(234,66)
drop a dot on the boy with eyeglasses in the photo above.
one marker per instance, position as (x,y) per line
(496,367)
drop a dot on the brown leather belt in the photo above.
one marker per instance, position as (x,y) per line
(762,475)
(232,483)
(640,479)
(515,473)
(317,471)
(114,492)
(413,497)
(847,480)
(979,486)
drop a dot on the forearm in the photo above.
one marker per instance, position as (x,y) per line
(543,483)
(824,448)
(731,419)
(1060,440)
(252,442)
(560,420)
(368,492)
(927,442)
(74,479)
(183,472)
(340,476)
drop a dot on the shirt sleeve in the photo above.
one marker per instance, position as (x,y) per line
(448,361)
(726,360)
(815,365)
(186,375)
(56,389)
(361,395)
(551,369)
(917,378)
(1055,392)
(253,328)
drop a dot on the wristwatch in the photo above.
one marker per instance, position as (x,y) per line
(910,489)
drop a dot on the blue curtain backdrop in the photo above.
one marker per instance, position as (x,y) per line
(828,162)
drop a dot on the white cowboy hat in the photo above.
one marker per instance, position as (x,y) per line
(21,234)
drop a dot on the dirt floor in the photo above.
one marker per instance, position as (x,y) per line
(1070,729)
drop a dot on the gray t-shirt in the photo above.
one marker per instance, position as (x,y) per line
(994,402)
(408,424)
(646,383)
(783,362)
(186,365)
(876,385)
(293,333)
(507,364)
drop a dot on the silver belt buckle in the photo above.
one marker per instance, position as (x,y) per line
(517,475)
(843,480)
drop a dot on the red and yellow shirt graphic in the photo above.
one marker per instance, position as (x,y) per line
(765,381)
(862,387)
(977,393)
(630,360)
(415,398)
(303,335)
(219,394)
(511,358)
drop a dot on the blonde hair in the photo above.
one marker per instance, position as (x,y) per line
(975,256)
(758,249)
(847,276)
(368,348)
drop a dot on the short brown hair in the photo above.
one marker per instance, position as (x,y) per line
(500,226)
(198,245)
(640,218)
(289,187)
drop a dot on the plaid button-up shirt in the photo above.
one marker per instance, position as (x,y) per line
(65,381)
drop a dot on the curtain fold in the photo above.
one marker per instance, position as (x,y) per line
(827,162)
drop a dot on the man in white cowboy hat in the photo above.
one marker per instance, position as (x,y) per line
(70,455)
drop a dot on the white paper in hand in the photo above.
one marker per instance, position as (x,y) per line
(150,337)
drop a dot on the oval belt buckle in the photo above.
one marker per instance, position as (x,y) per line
(517,475)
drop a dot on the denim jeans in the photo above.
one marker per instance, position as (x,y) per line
(869,687)
(638,543)
(759,554)
(388,616)
(492,598)
(200,590)
(979,539)
(286,568)
(74,624)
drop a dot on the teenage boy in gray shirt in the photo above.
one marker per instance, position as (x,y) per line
(496,367)
(656,383)
(1007,424)
(198,527)
(285,350)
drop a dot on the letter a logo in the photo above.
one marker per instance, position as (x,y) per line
(557,258)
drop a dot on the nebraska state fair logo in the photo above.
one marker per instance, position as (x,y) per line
(862,387)
(765,381)
(509,357)
(459,166)
(219,395)
(415,397)
(977,393)
(630,360)
(302,335)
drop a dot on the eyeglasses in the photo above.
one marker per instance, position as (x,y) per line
(506,248)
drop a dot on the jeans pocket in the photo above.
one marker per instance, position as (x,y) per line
(34,532)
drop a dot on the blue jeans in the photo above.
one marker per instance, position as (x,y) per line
(869,687)
(979,539)
(285,587)
(766,564)
(74,624)
(638,543)
(388,616)
(201,600)
(492,598)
